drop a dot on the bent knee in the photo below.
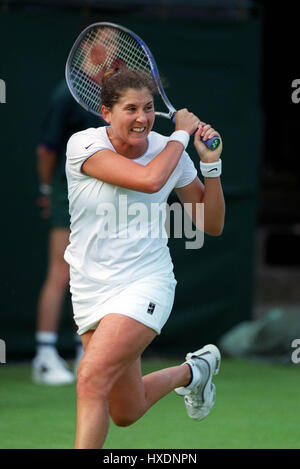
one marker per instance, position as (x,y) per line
(123,420)
(91,384)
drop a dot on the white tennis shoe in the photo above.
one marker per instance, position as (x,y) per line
(199,395)
(51,370)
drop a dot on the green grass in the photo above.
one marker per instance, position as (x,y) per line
(257,406)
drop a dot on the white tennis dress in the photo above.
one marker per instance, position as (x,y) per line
(118,253)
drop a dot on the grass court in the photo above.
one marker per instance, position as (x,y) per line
(257,407)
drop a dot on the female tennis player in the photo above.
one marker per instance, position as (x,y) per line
(122,280)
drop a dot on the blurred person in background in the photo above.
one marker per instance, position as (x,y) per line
(63,118)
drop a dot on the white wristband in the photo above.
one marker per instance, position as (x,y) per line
(211,170)
(45,189)
(180,136)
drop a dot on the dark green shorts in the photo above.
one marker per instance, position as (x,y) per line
(60,217)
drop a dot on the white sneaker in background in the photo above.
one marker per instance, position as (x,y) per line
(50,369)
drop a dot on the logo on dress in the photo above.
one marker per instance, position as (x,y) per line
(151,307)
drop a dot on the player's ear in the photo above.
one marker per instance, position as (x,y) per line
(106,114)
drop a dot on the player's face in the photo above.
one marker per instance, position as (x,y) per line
(132,117)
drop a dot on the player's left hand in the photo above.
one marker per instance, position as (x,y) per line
(206,132)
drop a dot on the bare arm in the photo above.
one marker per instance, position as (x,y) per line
(210,193)
(46,162)
(116,169)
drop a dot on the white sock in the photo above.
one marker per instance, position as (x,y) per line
(46,342)
(196,374)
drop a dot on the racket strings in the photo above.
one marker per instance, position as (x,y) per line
(104,48)
(83,69)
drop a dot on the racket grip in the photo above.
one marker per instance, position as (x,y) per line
(211,143)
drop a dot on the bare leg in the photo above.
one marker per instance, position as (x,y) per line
(110,380)
(133,395)
(55,286)
(48,367)
(109,352)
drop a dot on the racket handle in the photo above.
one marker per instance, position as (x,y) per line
(211,143)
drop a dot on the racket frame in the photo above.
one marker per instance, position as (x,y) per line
(171,115)
(154,70)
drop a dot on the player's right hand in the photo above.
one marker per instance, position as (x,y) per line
(187,121)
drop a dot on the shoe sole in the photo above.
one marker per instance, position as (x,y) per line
(37,379)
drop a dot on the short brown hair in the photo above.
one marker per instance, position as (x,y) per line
(116,81)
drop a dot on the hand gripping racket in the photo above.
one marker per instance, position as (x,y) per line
(104,46)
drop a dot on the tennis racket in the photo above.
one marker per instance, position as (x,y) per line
(104,46)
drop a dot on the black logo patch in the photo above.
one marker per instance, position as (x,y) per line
(151,308)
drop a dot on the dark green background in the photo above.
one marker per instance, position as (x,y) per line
(214,69)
